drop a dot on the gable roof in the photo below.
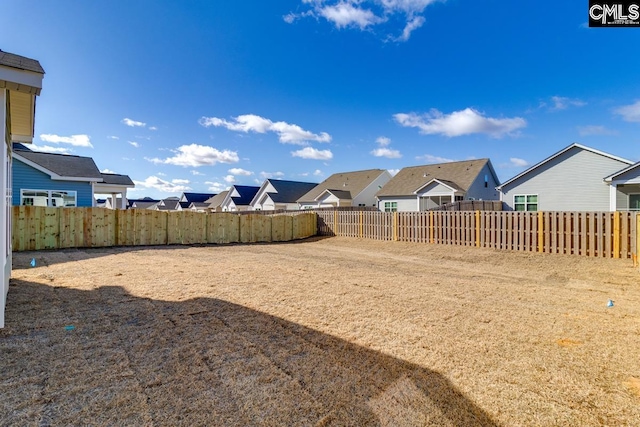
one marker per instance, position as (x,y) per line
(143,203)
(196,197)
(61,166)
(117,179)
(168,204)
(457,175)
(20,62)
(613,177)
(340,194)
(246,194)
(553,156)
(285,191)
(354,182)
(217,200)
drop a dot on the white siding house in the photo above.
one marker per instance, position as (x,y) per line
(573,179)
(624,189)
(280,194)
(420,188)
(20,83)
(356,188)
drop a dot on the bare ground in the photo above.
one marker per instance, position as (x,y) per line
(321,332)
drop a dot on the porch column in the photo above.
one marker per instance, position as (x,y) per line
(613,190)
(123,204)
(114,200)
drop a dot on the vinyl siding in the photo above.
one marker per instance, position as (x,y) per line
(405,204)
(368,195)
(478,191)
(573,181)
(26,177)
(435,189)
(622,195)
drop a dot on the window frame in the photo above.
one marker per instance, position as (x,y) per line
(629,202)
(51,201)
(526,202)
(391,206)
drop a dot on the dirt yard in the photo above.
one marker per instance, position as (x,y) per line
(325,332)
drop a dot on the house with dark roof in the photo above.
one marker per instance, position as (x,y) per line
(421,188)
(239,198)
(144,203)
(356,188)
(576,178)
(168,204)
(280,194)
(195,197)
(20,83)
(61,180)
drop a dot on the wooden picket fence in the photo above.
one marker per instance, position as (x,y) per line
(595,234)
(35,227)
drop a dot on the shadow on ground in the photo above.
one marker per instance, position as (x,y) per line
(73,357)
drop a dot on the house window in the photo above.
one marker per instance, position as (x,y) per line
(50,198)
(634,202)
(391,206)
(525,203)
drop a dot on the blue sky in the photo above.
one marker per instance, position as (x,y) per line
(197,95)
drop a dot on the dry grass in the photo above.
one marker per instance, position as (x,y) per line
(322,332)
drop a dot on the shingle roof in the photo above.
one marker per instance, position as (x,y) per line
(63,164)
(247,192)
(340,194)
(116,179)
(197,197)
(459,175)
(354,182)
(289,191)
(217,200)
(169,204)
(143,204)
(20,62)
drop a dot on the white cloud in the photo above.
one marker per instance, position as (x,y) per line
(267,175)
(312,153)
(161,174)
(195,155)
(595,130)
(113,137)
(106,171)
(75,140)
(434,159)
(458,123)
(386,152)
(216,187)
(368,14)
(133,123)
(562,103)
(49,149)
(230,179)
(153,128)
(287,133)
(240,172)
(180,181)
(393,172)
(629,113)
(383,141)
(317,172)
(345,14)
(162,185)
(135,144)
(520,163)
(196,173)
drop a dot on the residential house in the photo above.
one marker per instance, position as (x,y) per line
(61,180)
(624,189)
(168,204)
(20,83)
(114,184)
(144,203)
(196,197)
(346,189)
(421,188)
(214,204)
(573,179)
(239,198)
(280,194)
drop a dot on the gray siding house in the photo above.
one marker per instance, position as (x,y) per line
(420,188)
(573,179)
(624,189)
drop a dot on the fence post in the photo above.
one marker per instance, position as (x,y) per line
(477,229)
(616,234)
(395,226)
(361,224)
(540,232)
(335,223)
(431,227)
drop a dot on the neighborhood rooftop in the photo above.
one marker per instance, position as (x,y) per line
(20,62)
(458,175)
(63,165)
(353,182)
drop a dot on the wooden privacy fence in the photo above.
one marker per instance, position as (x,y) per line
(596,234)
(36,228)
